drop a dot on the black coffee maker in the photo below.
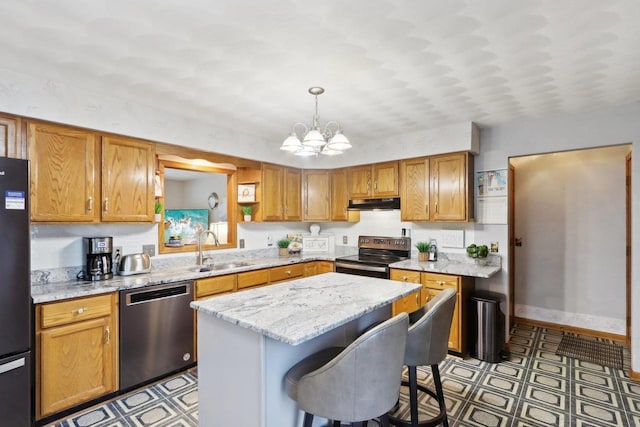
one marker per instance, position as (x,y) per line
(98,250)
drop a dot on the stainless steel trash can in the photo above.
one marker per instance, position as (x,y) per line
(488,327)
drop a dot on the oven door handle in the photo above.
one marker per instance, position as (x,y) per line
(361,267)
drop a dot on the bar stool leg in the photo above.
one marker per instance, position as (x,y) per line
(436,379)
(413,394)
(308,419)
(384,421)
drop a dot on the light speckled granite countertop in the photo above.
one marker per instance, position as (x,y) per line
(458,264)
(79,288)
(296,311)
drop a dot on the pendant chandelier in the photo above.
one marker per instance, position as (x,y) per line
(313,141)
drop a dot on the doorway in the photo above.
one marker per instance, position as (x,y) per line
(569,215)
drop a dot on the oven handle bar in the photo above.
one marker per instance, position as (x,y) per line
(361,267)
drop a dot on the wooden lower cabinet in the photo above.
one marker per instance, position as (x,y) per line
(313,268)
(432,284)
(286,272)
(411,302)
(253,278)
(76,352)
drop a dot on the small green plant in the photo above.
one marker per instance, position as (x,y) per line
(423,246)
(283,243)
(158,207)
(246,210)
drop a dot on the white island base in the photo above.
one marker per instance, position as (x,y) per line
(241,372)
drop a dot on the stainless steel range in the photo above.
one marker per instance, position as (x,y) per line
(375,253)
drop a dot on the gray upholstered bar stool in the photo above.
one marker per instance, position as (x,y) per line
(427,345)
(356,383)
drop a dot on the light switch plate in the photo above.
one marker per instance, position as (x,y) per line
(452,239)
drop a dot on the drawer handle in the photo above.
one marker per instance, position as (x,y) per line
(440,282)
(79,310)
(107,337)
(405,278)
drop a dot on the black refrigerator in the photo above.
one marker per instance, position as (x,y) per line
(15,295)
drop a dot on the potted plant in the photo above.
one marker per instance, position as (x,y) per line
(283,247)
(246,211)
(158,211)
(423,251)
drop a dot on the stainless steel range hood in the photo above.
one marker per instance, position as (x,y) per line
(374,204)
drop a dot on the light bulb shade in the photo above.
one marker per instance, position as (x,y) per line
(307,151)
(292,143)
(327,151)
(339,142)
(313,138)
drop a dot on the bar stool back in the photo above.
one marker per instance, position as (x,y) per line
(427,345)
(354,384)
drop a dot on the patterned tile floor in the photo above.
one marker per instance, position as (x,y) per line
(534,388)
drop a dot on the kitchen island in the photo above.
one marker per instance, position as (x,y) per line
(248,340)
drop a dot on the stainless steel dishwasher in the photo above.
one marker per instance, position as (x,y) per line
(156,332)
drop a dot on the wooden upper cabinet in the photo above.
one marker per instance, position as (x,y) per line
(64,183)
(370,181)
(414,189)
(385,179)
(315,195)
(292,195)
(71,183)
(127,180)
(11,143)
(339,195)
(281,193)
(451,188)
(273,191)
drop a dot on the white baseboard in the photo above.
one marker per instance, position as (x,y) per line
(577,320)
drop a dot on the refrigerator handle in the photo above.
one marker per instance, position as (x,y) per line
(10,366)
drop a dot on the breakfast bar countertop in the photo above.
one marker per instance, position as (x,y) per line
(299,310)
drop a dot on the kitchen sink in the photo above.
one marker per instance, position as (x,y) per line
(228,265)
(218,266)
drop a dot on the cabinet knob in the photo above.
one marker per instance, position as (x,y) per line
(79,310)
(289,272)
(440,282)
(405,278)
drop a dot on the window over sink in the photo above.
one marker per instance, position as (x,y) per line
(195,197)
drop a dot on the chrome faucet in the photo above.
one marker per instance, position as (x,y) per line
(201,259)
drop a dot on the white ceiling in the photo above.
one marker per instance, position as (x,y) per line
(387,66)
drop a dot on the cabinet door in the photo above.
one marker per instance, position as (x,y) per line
(340,197)
(273,192)
(64,180)
(449,194)
(407,304)
(435,283)
(385,179)
(325,267)
(359,182)
(286,272)
(414,185)
(316,195)
(127,180)
(11,144)
(293,195)
(76,364)
(310,268)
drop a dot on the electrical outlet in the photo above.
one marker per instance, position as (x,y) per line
(149,249)
(241,243)
(345,240)
(117,250)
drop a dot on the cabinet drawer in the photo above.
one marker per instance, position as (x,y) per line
(405,276)
(286,272)
(60,313)
(253,278)
(440,281)
(407,304)
(215,285)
